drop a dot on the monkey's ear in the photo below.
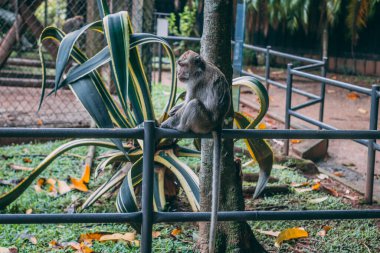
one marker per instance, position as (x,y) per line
(199,62)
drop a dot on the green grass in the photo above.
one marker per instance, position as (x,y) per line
(345,236)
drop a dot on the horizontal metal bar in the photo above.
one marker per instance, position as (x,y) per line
(277,134)
(255,48)
(70,218)
(188,216)
(309,67)
(137,133)
(134,133)
(294,57)
(268,215)
(324,126)
(282,86)
(376,146)
(306,104)
(332,82)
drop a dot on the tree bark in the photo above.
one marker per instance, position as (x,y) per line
(216,48)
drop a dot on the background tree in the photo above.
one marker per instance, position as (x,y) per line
(232,236)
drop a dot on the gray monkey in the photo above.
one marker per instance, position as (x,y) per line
(207,101)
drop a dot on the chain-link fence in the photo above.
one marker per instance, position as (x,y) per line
(21,23)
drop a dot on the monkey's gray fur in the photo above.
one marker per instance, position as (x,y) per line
(207,101)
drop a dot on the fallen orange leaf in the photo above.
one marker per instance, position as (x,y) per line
(262,126)
(316,186)
(78,184)
(353,95)
(295,141)
(41,181)
(176,232)
(40,122)
(91,236)
(86,174)
(289,234)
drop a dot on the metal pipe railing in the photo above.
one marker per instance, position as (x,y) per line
(147,217)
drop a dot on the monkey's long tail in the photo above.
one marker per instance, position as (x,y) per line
(216,177)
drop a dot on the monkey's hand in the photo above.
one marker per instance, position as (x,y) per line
(175,109)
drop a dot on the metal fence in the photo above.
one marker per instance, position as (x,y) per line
(21,23)
(147,217)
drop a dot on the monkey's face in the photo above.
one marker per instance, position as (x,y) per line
(190,65)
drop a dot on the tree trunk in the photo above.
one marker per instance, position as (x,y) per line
(216,48)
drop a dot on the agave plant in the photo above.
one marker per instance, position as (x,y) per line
(129,109)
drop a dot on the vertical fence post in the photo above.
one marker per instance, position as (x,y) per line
(147,186)
(267,66)
(323,90)
(374,114)
(289,87)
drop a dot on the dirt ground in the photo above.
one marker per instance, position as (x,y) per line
(340,111)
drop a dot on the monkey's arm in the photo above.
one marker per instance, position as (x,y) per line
(175,109)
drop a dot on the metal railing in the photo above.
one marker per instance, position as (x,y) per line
(147,217)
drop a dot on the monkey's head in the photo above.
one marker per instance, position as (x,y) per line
(190,65)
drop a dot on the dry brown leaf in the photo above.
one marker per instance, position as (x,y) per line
(289,234)
(362,111)
(63,187)
(318,200)
(86,174)
(128,237)
(156,234)
(338,174)
(27,160)
(175,232)
(295,185)
(29,211)
(19,167)
(295,141)
(11,249)
(40,122)
(330,191)
(78,184)
(324,231)
(353,95)
(270,233)
(316,186)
